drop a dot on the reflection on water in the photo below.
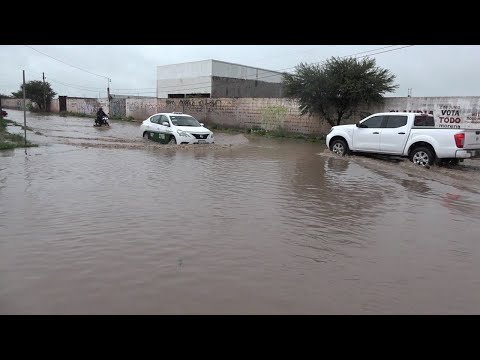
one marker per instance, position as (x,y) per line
(265,226)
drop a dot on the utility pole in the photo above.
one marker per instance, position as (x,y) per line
(108,94)
(44,94)
(24,112)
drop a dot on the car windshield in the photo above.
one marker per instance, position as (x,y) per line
(184,121)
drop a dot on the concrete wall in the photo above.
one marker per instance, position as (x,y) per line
(83,105)
(16,104)
(87,106)
(140,109)
(54,106)
(229,88)
(117,107)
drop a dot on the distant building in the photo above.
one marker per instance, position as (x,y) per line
(217,79)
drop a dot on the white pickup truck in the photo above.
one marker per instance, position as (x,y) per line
(405,134)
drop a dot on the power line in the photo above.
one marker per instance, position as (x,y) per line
(381,52)
(76,67)
(73,87)
(80,86)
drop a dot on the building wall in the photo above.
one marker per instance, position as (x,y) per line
(229,80)
(199,84)
(185,70)
(236,71)
(230,88)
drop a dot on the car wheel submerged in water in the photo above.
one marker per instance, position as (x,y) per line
(339,147)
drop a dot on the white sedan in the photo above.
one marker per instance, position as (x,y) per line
(175,128)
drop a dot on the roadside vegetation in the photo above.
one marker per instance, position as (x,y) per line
(280,132)
(11,141)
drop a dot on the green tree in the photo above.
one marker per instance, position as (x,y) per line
(35,90)
(335,89)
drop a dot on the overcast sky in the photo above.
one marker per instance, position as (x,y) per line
(430,70)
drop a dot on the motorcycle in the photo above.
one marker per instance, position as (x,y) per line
(102,122)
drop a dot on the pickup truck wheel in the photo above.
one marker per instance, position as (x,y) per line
(422,156)
(339,147)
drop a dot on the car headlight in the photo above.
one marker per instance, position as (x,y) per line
(183,133)
(211,135)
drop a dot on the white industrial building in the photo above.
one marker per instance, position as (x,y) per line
(217,79)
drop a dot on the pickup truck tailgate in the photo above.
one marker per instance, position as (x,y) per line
(472,139)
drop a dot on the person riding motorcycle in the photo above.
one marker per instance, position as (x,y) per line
(100,115)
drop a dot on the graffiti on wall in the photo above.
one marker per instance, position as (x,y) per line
(194,105)
(82,106)
(117,107)
(141,106)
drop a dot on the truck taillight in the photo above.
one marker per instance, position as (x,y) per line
(459,139)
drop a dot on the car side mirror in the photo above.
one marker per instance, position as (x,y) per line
(201,124)
(358,124)
(165,123)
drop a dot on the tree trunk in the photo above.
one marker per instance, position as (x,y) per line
(339,117)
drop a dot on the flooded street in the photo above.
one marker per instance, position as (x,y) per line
(101,221)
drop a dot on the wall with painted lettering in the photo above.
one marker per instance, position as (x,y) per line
(16,104)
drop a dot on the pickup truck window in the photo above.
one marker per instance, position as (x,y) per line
(373,122)
(424,120)
(395,121)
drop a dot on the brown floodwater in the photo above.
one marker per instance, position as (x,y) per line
(101,221)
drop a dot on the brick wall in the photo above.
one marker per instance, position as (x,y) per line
(247,113)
